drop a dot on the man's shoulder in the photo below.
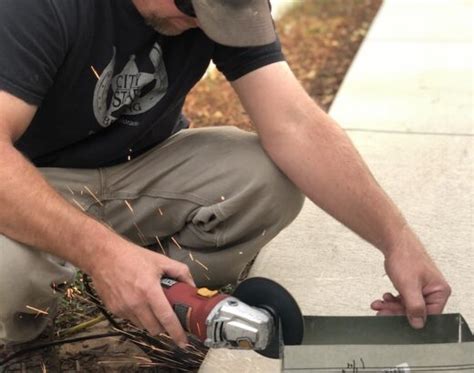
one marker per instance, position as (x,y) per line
(21,5)
(37,12)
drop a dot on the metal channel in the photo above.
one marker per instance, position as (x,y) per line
(382,345)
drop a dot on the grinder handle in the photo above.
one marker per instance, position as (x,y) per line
(191,305)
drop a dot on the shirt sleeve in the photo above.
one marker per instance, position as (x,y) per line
(33,45)
(235,62)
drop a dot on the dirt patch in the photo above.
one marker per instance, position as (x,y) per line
(320,39)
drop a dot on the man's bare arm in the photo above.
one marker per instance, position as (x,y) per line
(30,215)
(35,214)
(320,159)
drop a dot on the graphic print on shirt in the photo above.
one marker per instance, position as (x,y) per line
(130,92)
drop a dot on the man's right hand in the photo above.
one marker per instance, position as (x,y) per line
(128,282)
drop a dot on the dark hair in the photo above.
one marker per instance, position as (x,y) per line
(185,6)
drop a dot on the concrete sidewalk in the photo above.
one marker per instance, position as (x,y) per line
(407,103)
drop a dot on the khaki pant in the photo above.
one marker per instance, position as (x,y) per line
(214,191)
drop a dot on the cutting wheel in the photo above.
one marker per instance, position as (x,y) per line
(264,293)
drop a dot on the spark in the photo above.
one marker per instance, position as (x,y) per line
(191,256)
(129,206)
(222,198)
(148,345)
(161,246)
(264,231)
(161,212)
(206,276)
(93,195)
(95,72)
(70,293)
(176,243)
(79,205)
(141,236)
(43,367)
(202,265)
(38,310)
(67,186)
(241,253)
(76,290)
(107,225)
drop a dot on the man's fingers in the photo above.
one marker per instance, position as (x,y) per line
(147,319)
(385,313)
(388,308)
(377,305)
(415,306)
(135,322)
(389,297)
(388,300)
(166,316)
(437,298)
(179,271)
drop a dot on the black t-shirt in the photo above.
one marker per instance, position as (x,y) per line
(53,51)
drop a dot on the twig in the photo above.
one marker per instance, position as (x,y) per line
(80,327)
(55,343)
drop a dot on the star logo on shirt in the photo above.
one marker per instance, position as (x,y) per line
(130,92)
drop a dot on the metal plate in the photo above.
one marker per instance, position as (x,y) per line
(381,345)
(443,357)
(448,328)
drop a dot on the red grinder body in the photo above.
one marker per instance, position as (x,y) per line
(191,305)
(260,315)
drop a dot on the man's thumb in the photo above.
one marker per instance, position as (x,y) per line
(416,308)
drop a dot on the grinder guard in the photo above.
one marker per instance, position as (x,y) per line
(271,297)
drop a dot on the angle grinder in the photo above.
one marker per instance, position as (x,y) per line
(260,315)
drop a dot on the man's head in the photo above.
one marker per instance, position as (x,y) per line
(230,22)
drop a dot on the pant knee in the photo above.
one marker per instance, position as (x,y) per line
(282,201)
(270,190)
(26,275)
(250,202)
(257,196)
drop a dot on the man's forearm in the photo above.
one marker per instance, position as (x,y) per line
(32,212)
(319,157)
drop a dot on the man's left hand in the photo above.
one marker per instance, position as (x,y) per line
(421,286)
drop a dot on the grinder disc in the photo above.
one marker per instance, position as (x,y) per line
(264,293)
